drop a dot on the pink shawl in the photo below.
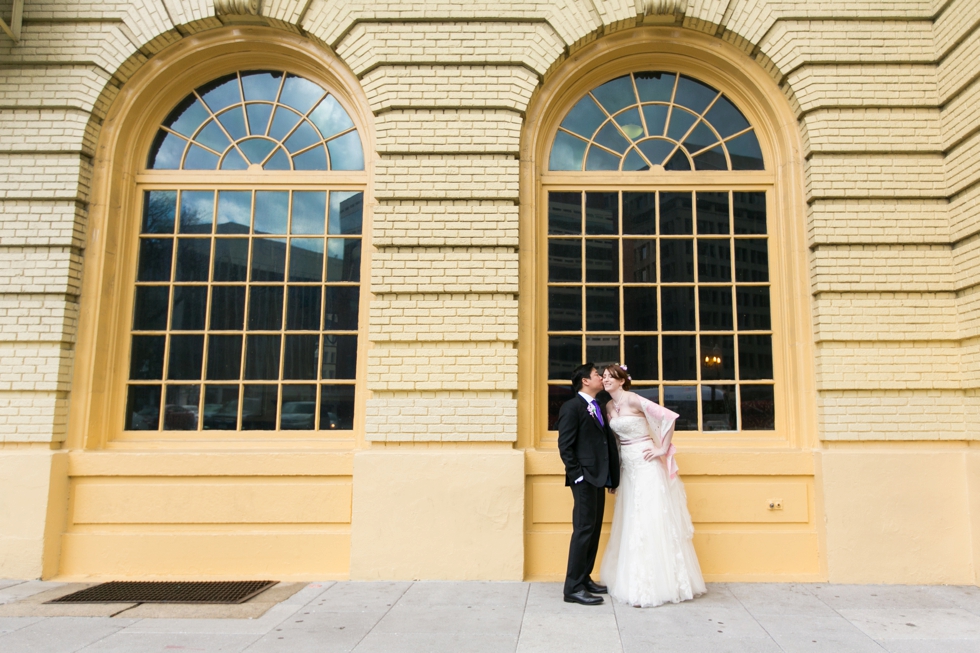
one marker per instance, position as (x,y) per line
(661,421)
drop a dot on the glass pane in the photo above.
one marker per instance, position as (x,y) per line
(330,118)
(639,260)
(715,308)
(234,211)
(564,213)
(346,209)
(725,118)
(564,260)
(283,122)
(565,309)
(640,307)
(564,355)
(221,407)
(340,308)
(758,407)
(193,259)
(616,94)
(309,212)
(750,213)
(180,413)
(187,116)
(677,306)
(717,357)
(303,308)
(602,260)
(755,357)
(640,356)
(693,94)
(261,85)
(224,358)
(336,407)
(346,153)
(146,358)
(655,116)
(602,350)
(143,408)
(584,118)
(745,152)
(751,259)
(650,392)
(677,260)
(227,308)
(713,159)
(221,92)
(200,159)
(278,161)
(567,152)
(315,159)
(600,159)
(233,161)
(151,308)
(230,259)
(339,357)
(679,123)
(259,407)
(601,213)
(657,150)
(196,211)
(214,137)
(712,213)
(753,308)
(306,259)
(630,124)
(639,213)
(186,357)
(699,138)
(233,120)
(676,213)
(300,358)
(714,259)
(298,408)
(344,259)
(262,357)
(680,358)
(257,149)
(155,257)
(678,161)
(683,400)
(718,408)
(268,259)
(265,308)
(271,212)
(166,151)
(557,396)
(602,309)
(190,307)
(634,161)
(655,86)
(159,207)
(610,137)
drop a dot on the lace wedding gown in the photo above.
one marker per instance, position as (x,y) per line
(650,558)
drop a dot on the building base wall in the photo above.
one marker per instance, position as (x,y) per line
(33,495)
(438,514)
(901,516)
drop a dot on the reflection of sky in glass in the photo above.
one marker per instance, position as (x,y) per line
(345,212)
(309,211)
(234,209)
(346,152)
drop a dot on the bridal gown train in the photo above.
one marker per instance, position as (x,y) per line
(649,559)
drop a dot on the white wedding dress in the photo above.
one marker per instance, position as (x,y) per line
(649,559)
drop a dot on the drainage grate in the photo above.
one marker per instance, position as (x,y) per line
(169,592)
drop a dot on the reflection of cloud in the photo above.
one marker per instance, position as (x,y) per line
(300,93)
(330,118)
(234,207)
(346,152)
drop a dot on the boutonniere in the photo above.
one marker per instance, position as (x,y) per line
(592,411)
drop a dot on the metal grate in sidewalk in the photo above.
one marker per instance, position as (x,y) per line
(169,592)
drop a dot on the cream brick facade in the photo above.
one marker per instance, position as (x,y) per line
(886,96)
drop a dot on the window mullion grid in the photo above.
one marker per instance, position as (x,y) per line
(731,239)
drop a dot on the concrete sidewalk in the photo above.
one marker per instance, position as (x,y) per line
(530,617)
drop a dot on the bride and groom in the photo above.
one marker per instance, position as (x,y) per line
(626,449)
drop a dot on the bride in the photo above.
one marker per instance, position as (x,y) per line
(649,559)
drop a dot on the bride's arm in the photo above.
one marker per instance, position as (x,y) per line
(651,410)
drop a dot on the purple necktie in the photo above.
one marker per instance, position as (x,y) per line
(598,412)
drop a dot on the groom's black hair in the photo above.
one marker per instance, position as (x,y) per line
(581,372)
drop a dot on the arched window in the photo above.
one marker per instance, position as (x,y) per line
(670,277)
(247,279)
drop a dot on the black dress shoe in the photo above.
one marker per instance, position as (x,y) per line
(595,588)
(583,597)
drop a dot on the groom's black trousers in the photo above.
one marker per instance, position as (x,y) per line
(590,501)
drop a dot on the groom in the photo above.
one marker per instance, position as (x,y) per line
(591,465)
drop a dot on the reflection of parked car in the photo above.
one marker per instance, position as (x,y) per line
(147,418)
(221,417)
(179,418)
(298,415)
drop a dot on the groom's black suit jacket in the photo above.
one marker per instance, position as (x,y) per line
(587,448)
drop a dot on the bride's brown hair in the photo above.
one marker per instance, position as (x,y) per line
(617,372)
